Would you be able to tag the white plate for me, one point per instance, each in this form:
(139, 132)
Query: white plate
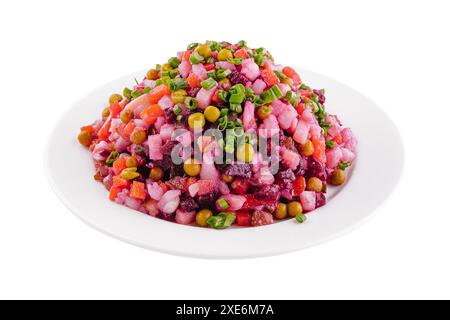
(373, 177)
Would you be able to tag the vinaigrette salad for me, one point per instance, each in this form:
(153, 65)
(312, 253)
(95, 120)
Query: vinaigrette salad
(220, 135)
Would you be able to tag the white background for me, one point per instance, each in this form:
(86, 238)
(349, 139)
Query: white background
(395, 52)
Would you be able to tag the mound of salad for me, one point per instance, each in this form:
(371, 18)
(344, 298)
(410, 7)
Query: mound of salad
(220, 135)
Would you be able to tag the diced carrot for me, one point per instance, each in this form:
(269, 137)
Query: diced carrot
(128, 129)
(241, 53)
(269, 76)
(150, 114)
(300, 108)
(119, 165)
(289, 72)
(306, 93)
(216, 98)
(137, 190)
(157, 93)
(186, 56)
(113, 192)
(115, 108)
(163, 186)
(299, 185)
(210, 66)
(319, 149)
(89, 129)
(103, 133)
(338, 138)
(193, 81)
(118, 181)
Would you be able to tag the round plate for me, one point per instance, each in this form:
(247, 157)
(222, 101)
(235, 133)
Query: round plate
(372, 178)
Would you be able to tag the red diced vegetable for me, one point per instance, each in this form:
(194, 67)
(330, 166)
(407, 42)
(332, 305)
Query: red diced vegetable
(137, 190)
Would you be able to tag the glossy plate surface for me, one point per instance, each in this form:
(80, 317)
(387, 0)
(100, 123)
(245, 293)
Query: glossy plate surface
(373, 177)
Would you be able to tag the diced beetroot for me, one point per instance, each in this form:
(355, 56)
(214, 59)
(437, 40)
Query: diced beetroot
(226, 65)
(200, 71)
(253, 203)
(334, 156)
(166, 131)
(248, 116)
(240, 185)
(204, 97)
(250, 69)
(165, 102)
(154, 147)
(185, 68)
(261, 218)
(202, 187)
(301, 132)
(321, 199)
(151, 206)
(258, 86)
(347, 155)
(286, 117)
(235, 201)
(169, 201)
(154, 190)
(278, 107)
(184, 217)
(308, 200)
(291, 159)
(209, 170)
(243, 219)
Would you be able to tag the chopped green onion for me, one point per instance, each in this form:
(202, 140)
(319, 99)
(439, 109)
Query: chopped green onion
(236, 108)
(259, 59)
(242, 44)
(159, 82)
(237, 98)
(215, 46)
(212, 74)
(235, 61)
(196, 58)
(222, 126)
(222, 203)
(173, 73)
(127, 93)
(222, 220)
(210, 60)
(314, 97)
(135, 94)
(113, 156)
(259, 50)
(192, 45)
(330, 144)
(238, 122)
(277, 92)
(231, 125)
(191, 103)
(223, 96)
(177, 83)
(344, 165)
(146, 90)
(280, 75)
(208, 83)
(174, 62)
(158, 67)
(224, 112)
(179, 117)
(250, 95)
(304, 87)
(300, 218)
(177, 110)
(222, 74)
(237, 88)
